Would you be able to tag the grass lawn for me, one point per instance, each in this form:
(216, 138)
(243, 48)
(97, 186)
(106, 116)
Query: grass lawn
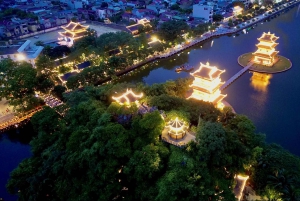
(281, 65)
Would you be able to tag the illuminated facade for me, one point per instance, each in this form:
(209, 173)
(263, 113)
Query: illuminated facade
(128, 97)
(177, 129)
(73, 31)
(207, 83)
(266, 53)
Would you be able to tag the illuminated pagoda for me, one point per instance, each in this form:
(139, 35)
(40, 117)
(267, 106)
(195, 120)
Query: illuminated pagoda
(128, 97)
(266, 53)
(73, 31)
(177, 129)
(207, 83)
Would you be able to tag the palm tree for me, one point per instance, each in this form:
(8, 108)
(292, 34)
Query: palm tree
(291, 194)
(281, 180)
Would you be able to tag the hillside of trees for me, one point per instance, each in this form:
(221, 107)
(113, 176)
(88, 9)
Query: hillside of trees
(100, 150)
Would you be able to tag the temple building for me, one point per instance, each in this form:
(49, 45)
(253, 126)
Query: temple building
(73, 31)
(207, 83)
(177, 129)
(128, 97)
(266, 53)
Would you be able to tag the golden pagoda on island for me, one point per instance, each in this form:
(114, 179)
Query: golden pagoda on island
(73, 31)
(266, 53)
(207, 83)
(128, 97)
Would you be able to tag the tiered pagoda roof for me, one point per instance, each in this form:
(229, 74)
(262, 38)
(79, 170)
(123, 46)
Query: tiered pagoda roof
(266, 53)
(207, 72)
(74, 30)
(207, 84)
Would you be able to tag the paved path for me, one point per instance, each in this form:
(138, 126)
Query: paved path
(237, 75)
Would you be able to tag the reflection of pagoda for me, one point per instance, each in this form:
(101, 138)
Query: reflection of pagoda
(260, 81)
(128, 97)
(72, 32)
(266, 54)
(207, 83)
(177, 129)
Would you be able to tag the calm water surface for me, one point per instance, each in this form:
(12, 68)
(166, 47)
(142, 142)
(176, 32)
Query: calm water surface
(272, 102)
(14, 147)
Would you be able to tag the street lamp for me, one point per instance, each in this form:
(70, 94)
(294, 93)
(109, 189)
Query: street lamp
(21, 57)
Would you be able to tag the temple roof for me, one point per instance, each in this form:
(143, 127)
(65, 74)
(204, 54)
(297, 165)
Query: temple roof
(269, 47)
(265, 55)
(207, 72)
(219, 98)
(268, 37)
(199, 88)
(73, 26)
(128, 97)
(72, 34)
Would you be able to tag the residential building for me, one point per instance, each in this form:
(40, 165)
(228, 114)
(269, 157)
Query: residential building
(203, 11)
(21, 50)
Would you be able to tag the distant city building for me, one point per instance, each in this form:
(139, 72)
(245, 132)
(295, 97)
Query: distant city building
(134, 29)
(20, 50)
(73, 31)
(203, 11)
(266, 53)
(206, 84)
(237, 10)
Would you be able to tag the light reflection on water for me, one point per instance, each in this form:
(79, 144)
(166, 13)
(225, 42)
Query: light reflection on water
(260, 81)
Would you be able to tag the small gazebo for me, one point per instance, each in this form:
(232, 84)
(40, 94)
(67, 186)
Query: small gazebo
(177, 128)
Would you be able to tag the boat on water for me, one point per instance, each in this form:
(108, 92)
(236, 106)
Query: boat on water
(184, 68)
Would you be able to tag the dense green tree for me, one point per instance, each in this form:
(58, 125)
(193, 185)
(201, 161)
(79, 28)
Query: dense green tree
(58, 91)
(217, 17)
(172, 30)
(93, 154)
(18, 81)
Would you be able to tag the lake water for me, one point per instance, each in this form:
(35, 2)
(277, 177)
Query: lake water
(14, 147)
(270, 101)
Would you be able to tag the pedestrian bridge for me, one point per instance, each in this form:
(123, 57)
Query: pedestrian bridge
(236, 76)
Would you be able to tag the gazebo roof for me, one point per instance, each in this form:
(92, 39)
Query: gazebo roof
(177, 127)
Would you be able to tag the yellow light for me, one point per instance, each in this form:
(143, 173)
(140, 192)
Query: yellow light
(21, 57)
(260, 81)
(154, 39)
(206, 85)
(125, 96)
(242, 179)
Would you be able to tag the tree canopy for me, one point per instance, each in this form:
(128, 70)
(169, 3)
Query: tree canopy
(100, 150)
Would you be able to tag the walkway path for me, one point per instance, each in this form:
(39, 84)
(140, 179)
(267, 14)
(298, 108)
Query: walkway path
(18, 119)
(238, 74)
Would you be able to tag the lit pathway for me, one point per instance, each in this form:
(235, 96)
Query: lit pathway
(237, 75)
(18, 119)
